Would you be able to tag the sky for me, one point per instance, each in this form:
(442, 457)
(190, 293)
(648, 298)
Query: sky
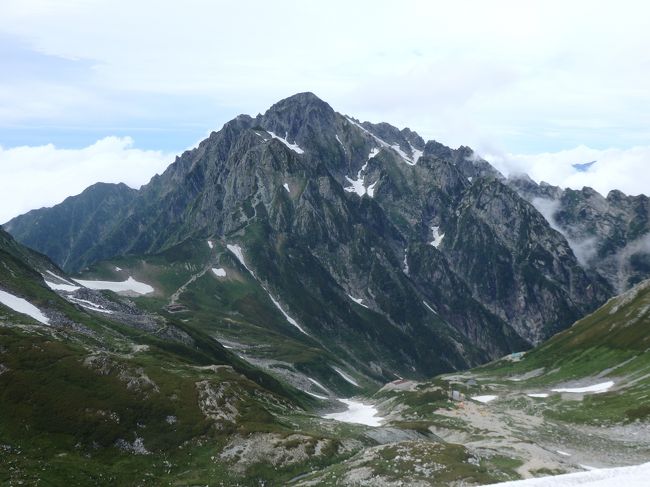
(112, 90)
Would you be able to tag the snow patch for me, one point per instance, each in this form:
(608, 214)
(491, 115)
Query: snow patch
(405, 268)
(317, 384)
(346, 377)
(563, 453)
(358, 185)
(416, 154)
(286, 186)
(125, 286)
(358, 301)
(403, 154)
(437, 237)
(220, 272)
(484, 399)
(339, 141)
(59, 277)
(236, 250)
(286, 316)
(294, 147)
(370, 190)
(118, 269)
(596, 388)
(89, 305)
(210, 244)
(538, 394)
(634, 476)
(357, 412)
(430, 308)
(23, 306)
(411, 161)
(317, 396)
(61, 287)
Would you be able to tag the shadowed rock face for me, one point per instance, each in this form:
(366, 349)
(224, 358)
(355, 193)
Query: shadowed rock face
(498, 278)
(609, 235)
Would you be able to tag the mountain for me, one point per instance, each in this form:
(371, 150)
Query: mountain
(78, 222)
(609, 235)
(397, 256)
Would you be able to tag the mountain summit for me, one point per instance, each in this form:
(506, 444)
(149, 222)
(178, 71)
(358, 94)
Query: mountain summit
(396, 255)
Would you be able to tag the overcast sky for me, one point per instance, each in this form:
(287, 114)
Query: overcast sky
(111, 90)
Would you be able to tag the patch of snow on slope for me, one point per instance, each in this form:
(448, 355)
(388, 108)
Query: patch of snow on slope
(405, 268)
(124, 286)
(437, 237)
(23, 306)
(596, 388)
(358, 185)
(484, 399)
(538, 394)
(317, 396)
(59, 277)
(210, 244)
(61, 287)
(430, 308)
(370, 190)
(402, 154)
(346, 377)
(634, 476)
(89, 305)
(382, 142)
(220, 272)
(563, 453)
(236, 250)
(286, 315)
(357, 300)
(286, 186)
(416, 154)
(357, 412)
(294, 147)
(339, 141)
(318, 384)
(395, 147)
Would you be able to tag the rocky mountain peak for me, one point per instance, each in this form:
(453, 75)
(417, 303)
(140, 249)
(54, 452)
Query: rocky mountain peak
(298, 118)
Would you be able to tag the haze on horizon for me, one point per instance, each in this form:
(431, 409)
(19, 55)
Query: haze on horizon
(98, 90)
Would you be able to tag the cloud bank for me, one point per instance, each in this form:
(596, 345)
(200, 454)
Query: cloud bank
(33, 177)
(623, 169)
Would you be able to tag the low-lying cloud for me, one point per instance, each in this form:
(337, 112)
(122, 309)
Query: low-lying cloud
(584, 249)
(37, 176)
(622, 169)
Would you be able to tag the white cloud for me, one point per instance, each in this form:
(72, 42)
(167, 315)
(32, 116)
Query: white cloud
(33, 177)
(550, 73)
(623, 169)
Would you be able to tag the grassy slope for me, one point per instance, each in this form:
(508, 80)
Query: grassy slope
(610, 344)
(70, 394)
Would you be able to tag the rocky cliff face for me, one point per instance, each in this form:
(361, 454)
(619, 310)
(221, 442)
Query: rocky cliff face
(412, 252)
(609, 235)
